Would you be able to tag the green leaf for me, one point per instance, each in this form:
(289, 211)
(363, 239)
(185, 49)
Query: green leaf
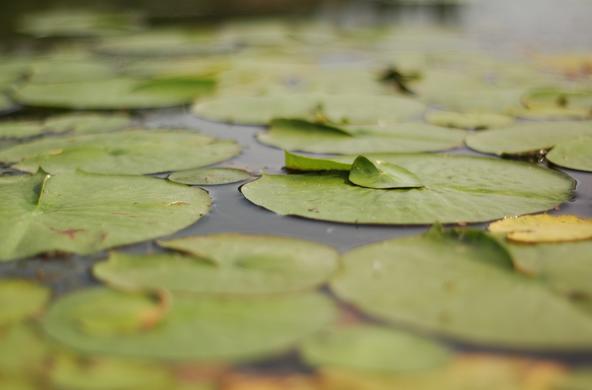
(527, 137)
(298, 162)
(196, 328)
(381, 175)
(130, 152)
(373, 349)
(84, 213)
(452, 286)
(20, 299)
(559, 98)
(227, 264)
(210, 176)
(573, 154)
(405, 137)
(455, 190)
(471, 120)
(22, 351)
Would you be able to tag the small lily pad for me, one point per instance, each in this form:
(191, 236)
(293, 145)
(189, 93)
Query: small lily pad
(573, 154)
(468, 120)
(20, 299)
(209, 176)
(544, 228)
(381, 175)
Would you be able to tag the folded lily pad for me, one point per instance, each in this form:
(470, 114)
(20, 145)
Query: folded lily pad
(338, 109)
(544, 228)
(373, 349)
(468, 120)
(378, 174)
(209, 176)
(455, 189)
(131, 152)
(315, 138)
(461, 285)
(84, 213)
(20, 299)
(198, 328)
(226, 264)
(527, 138)
(573, 154)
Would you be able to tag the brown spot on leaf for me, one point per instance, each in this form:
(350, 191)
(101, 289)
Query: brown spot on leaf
(70, 233)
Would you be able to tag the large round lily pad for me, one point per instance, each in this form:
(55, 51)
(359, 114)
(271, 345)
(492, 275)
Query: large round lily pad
(197, 328)
(127, 152)
(315, 138)
(574, 154)
(462, 285)
(224, 264)
(84, 213)
(455, 188)
(20, 299)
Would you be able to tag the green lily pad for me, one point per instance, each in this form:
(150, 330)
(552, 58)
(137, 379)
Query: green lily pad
(298, 162)
(210, 176)
(198, 328)
(130, 152)
(475, 120)
(57, 70)
(20, 129)
(558, 98)
(113, 94)
(6, 104)
(578, 379)
(381, 175)
(226, 264)
(22, 351)
(527, 137)
(316, 138)
(20, 299)
(373, 349)
(454, 190)
(461, 285)
(338, 109)
(574, 154)
(84, 213)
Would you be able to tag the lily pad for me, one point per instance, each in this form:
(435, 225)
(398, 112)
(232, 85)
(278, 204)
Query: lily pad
(544, 228)
(84, 213)
(573, 154)
(338, 109)
(209, 176)
(22, 351)
(6, 105)
(226, 264)
(298, 162)
(454, 190)
(198, 328)
(132, 152)
(381, 175)
(468, 120)
(527, 137)
(373, 349)
(316, 138)
(20, 299)
(56, 70)
(461, 285)
(558, 98)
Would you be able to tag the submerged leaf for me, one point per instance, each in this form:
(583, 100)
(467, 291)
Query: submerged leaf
(209, 176)
(381, 175)
(574, 154)
(544, 228)
(20, 299)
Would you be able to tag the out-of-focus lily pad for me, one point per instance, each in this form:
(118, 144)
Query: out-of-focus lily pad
(455, 189)
(22, 351)
(20, 129)
(552, 113)
(469, 292)
(378, 174)
(573, 154)
(226, 264)
(20, 299)
(84, 213)
(337, 109)
(527, 138)
(198, 328)
(544, 228)
(555, 97)
(57, 70)
(6, 105)
(210, 176)
(373, 349)
(579, 379)
(477, 121)
(132, 152)
(317, 138)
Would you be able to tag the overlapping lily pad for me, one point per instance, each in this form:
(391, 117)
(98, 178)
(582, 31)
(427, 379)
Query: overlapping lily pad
(461, 285)
(573, 154)
(127, 152)
(475, 120)
(454, 190)
(20, 299)
(209, 176)
(197, 328)
(544, 228)
(226, 264)
(84, 213)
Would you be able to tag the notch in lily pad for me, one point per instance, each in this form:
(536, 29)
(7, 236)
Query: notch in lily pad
(378, 174)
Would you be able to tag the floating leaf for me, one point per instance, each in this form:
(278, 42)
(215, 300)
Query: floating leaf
(209, 176)
(84, 213)
(381, 175)
(454, 190)
(544, 228)
(198, 328)
(468, 120)
(131, 152)
(461, 286)
(527, 137)
(20, 299)
(20, 129)
(552, 113)
(373, 349)
(57, 70)
(224, 264)
(573, 154)
(298, 162)
(280, 381)
(6, 105)
(556, 97)
(405, 137)
(22, 351)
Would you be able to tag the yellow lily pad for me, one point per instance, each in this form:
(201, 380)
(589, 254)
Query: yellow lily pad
(544, 228)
